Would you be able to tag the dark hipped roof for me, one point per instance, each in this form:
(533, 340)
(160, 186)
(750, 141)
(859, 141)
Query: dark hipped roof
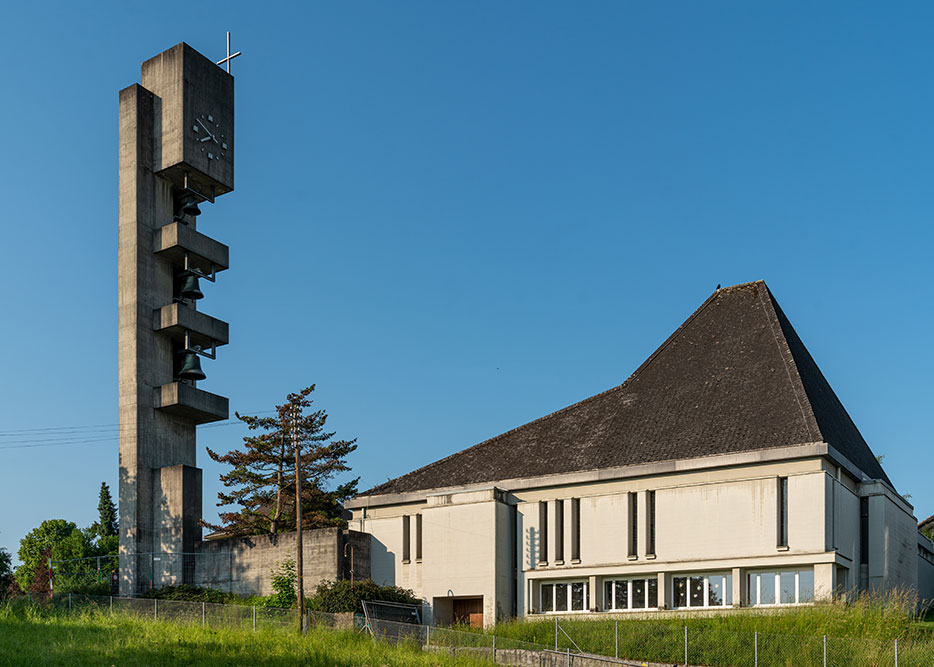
(734, 377)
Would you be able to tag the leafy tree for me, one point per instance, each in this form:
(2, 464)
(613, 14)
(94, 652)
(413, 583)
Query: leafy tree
(106, 525)
(262, 479)
(57, 538)
(284, 578)
(6, 571)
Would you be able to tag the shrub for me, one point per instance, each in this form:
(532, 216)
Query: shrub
(189, 593)
(339, 596)
(284, 579)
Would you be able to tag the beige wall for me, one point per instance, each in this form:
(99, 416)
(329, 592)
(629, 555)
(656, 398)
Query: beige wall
(717, 520)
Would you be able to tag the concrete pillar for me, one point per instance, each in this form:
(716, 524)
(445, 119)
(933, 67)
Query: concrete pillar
(825, 581)
(664, 591)
(739, 586)
(596, 594)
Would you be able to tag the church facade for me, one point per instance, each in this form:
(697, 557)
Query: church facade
(723, 473)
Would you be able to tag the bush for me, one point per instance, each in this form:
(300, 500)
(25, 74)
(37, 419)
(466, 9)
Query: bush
(189, 593)
(339, 596)
(284, 579)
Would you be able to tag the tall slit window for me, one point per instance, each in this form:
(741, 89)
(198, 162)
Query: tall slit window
(650, 510)
(559, 530)
(543, 532)
(783, 511)
(406, 542)
(418, 537)
(633, 524)
(575, 529)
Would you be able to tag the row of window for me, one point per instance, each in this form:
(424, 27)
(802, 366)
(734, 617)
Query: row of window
(784, 587)
(559, 530)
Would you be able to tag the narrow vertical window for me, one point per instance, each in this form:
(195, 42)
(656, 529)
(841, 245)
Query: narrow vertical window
(633, 524)
(406, 546)
(783, 511)
(559, 531)
(863, 531)
(575, 528)
(543, 532)
(650, 511)
(418, 537)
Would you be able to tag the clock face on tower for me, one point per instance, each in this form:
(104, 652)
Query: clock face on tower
(213, 139)
(193, 137)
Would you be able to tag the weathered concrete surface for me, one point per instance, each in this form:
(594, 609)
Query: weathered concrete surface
(253, 559)
(527, 658)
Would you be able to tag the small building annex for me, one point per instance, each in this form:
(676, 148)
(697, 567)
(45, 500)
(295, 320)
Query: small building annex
(724, 472)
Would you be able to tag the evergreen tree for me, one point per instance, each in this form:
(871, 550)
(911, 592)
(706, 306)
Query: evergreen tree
(262, 479)
(106, 525)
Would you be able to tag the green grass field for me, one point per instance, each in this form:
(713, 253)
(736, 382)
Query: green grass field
(860, 633)
(30, 636)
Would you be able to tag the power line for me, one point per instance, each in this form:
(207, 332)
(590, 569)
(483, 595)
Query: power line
(66, 438)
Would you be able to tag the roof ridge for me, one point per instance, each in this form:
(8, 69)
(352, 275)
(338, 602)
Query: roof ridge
(784, 351)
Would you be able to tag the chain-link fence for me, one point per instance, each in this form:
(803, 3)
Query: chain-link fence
(623, 643)
(101, 574)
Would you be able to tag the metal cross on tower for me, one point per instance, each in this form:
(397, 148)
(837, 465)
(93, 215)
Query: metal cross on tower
(230, 56)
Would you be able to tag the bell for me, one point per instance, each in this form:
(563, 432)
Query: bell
(187, 204)
(191, 367)
(190, 288)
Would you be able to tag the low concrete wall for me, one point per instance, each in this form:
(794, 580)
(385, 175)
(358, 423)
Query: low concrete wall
(247, 570)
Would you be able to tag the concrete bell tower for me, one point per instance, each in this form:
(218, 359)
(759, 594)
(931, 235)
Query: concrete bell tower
(176, 155)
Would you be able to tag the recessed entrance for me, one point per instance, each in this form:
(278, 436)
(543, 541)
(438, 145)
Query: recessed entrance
(469, 611)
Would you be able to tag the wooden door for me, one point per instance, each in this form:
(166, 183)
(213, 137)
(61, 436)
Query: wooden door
(469, 611)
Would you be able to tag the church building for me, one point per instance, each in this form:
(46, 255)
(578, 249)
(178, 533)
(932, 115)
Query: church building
(723, 473)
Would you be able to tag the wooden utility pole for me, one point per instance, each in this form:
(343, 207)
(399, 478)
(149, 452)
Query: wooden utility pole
(299, 564)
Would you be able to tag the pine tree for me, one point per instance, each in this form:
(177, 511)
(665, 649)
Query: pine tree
(262, 479)
(106, 525)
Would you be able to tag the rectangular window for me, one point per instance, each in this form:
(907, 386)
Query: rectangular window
(634, 519)
(559, 531)
(561, 597)
(680, 591)
(783, 511)
(543, 532)
(406, 547)
(548, 597)
(702, 590)
(418, 537)
(626, 594)
(638, 593)
(864, 531)
(575, 528)
(781, 588)
(650, 510)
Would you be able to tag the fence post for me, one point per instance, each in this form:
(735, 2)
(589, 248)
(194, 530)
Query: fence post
(494, 650)
(756, 640)
(569, 656)
(896, 653)
(427, 635)
(617, 640)
(685, 645)
(111, 604)
(825, 650)
(254, 618)
(69, 602)
(155, 608)
(202, 614)
(556, 633)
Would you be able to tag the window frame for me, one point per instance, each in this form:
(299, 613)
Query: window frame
(629, 594)
(569, 584)
(705, 594)
(777, 592)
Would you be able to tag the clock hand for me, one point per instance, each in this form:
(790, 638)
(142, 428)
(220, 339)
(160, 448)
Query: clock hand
(208, 139)
(206, 129)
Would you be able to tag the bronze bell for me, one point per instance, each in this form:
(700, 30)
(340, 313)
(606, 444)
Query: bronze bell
(191, 367)
(190, 289)
(187, 204)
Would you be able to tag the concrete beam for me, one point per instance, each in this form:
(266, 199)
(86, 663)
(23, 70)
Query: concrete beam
(189, 403)
(176, 318)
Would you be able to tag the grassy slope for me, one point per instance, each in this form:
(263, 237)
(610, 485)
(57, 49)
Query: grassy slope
(37, 638)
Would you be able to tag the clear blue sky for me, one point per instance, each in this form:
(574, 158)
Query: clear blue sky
(456, 217)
